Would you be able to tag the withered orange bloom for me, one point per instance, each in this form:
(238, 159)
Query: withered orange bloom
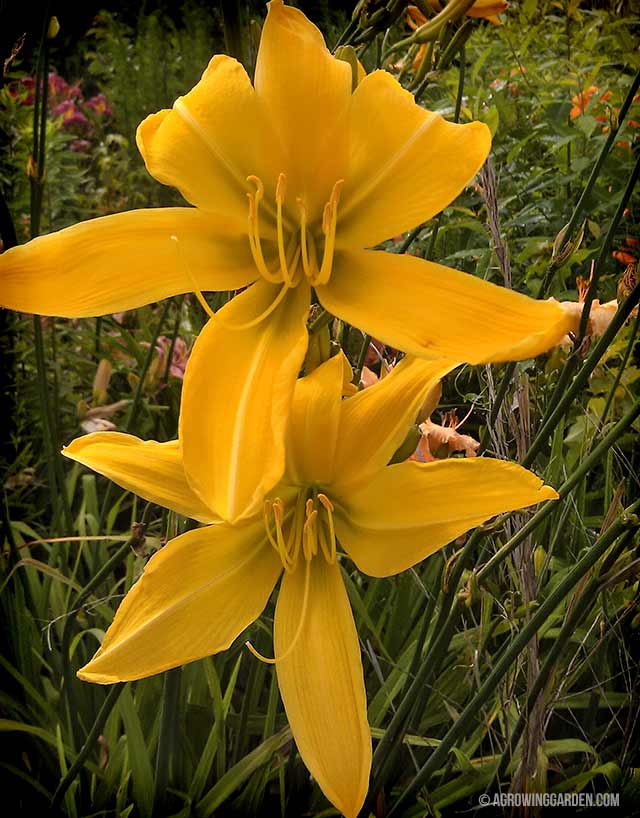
(335, 491)
(292, 179)
(486, 9)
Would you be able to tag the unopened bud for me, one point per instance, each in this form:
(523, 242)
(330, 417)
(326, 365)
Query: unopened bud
(54, 28)
(101, 382)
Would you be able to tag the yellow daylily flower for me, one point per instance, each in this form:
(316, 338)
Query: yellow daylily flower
(205, 587)
(292, 179)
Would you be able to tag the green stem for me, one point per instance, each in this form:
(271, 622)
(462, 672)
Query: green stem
(137, 400)
(580, 380)
(576, 477)
(619, 373)
(94, 582)
(604, 251)
(500, 669)
(587, 600)
(167, 740)
(577, 211)
(389, 744)
(88, 746)
(502, 391)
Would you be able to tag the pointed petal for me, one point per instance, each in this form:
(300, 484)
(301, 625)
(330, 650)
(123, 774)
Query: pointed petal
(375, 422)
(433, 311)
(321, 683)
(315, 415)
(488, 9)
(405, 164)
(196, 595)
(123, 261)
(237, 396)
(410, 510)
(211, 140)
(306, 92)
(151, 470)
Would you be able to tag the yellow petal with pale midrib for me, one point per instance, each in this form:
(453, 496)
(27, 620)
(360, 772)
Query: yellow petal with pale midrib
(433, 311)
(149, 469)
(124, 261)
(410, 510)
(196, 595)
(322, 685)
(237, 395)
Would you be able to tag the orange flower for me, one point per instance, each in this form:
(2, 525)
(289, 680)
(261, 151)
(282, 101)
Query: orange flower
(623, 257)
(486, 9)
(439, 441)
(600, 315)
(582, 100)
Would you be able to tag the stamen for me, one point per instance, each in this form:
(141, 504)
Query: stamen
(255, 242)
(329, 221)
(267, 508)
(309, 531)
(295, 534)
(303, 614)
(303, 238)
(192, 279)
(280, 193)
(331, 553)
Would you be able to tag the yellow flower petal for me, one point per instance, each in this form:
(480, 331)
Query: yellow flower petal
(315, 414)
(211, 140)
(321, 684)
(194, 598)
(375, 422)
(123, 261)
(306, 92)
(236, 398)
(151, 470)
(410, 510)
(406, 164)
(434, 311)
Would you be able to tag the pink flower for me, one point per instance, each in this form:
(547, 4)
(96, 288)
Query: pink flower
(99, 105)
(179, 357)
(80, 146)
(71, 116)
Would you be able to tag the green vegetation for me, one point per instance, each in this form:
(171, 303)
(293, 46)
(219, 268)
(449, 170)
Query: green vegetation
(507, 661)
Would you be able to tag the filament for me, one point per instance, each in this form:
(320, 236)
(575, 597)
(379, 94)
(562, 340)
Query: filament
(192, 279)
(303, 614)
(280, 193)
(255, 242)
(303, 239)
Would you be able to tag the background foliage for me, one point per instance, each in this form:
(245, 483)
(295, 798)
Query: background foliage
(507, 661)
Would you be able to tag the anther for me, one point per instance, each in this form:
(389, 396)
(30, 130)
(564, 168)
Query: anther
(326, 502)
(330, 548)
(329, 221)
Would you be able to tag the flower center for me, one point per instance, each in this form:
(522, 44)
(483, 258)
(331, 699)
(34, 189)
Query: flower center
(303, 531)
(297, 254)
